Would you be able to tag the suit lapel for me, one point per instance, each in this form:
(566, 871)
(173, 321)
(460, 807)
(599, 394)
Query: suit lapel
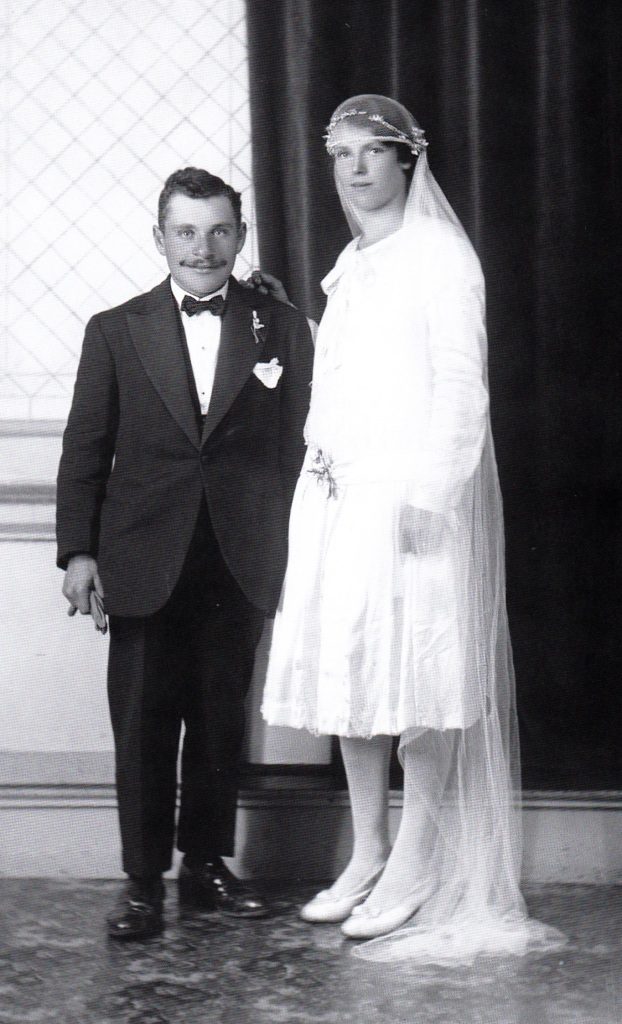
(239, 351)
(155, 334)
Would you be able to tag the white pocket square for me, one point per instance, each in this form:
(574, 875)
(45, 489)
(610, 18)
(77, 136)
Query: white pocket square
(268, 373)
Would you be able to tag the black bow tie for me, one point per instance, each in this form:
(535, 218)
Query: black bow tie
(215, 305)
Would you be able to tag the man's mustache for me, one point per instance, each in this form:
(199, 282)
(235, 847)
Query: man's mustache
(203, 264)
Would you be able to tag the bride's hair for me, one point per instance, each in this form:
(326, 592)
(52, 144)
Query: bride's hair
(405, 156)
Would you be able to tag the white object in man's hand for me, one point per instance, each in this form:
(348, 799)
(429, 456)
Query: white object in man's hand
(83, 589)
(98, 614)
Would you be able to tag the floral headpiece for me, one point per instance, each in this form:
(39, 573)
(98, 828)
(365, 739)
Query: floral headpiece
(415, 139)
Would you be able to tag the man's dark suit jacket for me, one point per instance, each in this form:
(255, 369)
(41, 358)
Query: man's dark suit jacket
(136, 461)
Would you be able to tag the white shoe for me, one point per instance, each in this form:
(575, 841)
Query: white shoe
(365, 923)
(325, 908)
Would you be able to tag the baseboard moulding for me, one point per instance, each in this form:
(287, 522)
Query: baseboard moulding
(58, 816)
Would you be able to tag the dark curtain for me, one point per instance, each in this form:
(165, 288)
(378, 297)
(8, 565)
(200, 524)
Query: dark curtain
(521, 104)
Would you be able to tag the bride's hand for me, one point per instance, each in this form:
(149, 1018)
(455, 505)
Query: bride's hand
(421, 532)
(267, 284)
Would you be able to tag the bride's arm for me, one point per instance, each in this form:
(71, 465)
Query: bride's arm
(458, 417)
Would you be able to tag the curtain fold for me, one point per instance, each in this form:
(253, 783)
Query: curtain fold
(521, 104)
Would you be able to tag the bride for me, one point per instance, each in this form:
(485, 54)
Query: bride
(392, 619)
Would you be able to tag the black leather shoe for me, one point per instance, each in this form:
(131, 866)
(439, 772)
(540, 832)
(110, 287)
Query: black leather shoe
(212, 887)
(139, 915)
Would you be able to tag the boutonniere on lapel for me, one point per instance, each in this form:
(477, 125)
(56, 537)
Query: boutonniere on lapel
(257, 326)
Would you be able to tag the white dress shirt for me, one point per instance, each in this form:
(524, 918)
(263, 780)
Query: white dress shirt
(203, 339)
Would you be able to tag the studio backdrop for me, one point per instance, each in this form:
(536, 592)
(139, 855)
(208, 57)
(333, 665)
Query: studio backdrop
(520, 101)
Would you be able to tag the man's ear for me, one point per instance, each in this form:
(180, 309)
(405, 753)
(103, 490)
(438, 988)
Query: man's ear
(158, 238)
(241, 237)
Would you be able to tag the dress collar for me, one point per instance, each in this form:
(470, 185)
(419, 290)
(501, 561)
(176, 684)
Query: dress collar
(349, 255)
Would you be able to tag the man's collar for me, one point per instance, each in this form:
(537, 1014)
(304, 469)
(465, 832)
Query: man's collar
(179, 293)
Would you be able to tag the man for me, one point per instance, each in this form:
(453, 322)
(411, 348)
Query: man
(180, 458)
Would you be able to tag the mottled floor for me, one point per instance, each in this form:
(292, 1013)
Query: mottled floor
(56, 965)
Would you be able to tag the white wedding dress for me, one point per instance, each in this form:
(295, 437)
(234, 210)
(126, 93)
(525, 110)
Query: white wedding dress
(392, 618)
(371, 634)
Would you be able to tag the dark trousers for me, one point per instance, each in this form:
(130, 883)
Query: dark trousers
(191, 662)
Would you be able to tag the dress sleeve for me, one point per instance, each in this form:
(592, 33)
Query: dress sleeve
(458, 419)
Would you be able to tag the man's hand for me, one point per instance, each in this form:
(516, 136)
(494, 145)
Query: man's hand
(81, 578)
(267, 284)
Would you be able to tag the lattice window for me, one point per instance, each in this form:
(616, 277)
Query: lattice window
(104, 98)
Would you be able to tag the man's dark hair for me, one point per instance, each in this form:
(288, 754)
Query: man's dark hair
(197, 184)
